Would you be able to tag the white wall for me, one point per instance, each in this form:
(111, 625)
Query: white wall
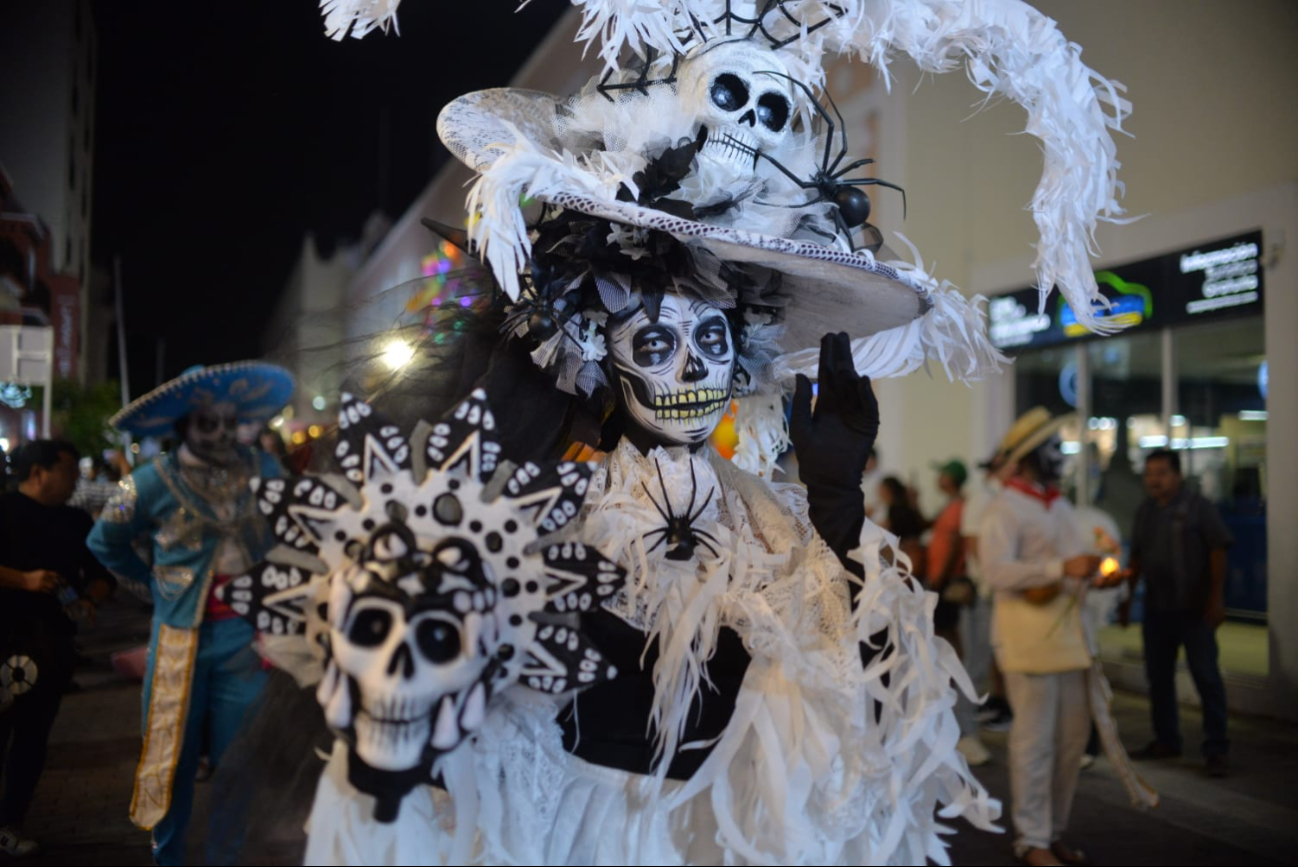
(1213, 85)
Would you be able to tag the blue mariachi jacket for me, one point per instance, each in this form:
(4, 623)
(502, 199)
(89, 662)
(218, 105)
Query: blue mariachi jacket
(185, 531)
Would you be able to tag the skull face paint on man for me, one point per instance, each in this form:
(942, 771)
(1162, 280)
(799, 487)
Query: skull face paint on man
(211, 434)
(675, 375)
(1049, 458)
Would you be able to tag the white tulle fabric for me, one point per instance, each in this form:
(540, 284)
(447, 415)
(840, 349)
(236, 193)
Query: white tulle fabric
(823, 762)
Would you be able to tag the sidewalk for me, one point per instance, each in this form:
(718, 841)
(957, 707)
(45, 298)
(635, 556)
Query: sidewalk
(1251, 817)
(80, 812)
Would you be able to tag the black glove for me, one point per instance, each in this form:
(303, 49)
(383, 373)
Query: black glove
(833, 444)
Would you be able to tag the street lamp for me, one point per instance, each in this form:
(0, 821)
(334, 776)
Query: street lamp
(397, 353)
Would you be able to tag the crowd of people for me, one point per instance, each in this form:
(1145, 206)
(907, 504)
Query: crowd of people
(1024, 580)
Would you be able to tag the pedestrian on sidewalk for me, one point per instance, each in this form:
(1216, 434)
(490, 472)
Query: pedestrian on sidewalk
(48, 581)
(203, 674)
(1178, 545)
(1032, 555)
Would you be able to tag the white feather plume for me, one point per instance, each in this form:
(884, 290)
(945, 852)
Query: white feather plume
(357, 18)
(1007, 48)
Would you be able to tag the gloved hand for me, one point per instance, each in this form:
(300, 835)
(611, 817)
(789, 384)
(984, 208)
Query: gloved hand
(833, 442)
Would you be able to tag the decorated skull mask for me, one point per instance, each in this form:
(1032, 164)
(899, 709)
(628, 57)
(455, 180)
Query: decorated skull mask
(741, 108)
(423, 561)
(675, 374)
(212, 433)
(414, 658)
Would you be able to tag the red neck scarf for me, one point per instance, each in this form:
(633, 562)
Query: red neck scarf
(1046, 495)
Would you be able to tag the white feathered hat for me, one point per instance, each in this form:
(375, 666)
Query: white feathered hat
(755, 198)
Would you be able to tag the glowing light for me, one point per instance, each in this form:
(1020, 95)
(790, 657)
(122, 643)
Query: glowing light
(4, 445)
(1109, 567)
(135, 448)
(277, 422)
(319, 402)
(315, 430)
(1253, 415)
(299, 437)
(1070, 447)
(1160, 442)
(397, 354)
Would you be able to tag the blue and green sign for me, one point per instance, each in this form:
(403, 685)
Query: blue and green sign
(1211, 281)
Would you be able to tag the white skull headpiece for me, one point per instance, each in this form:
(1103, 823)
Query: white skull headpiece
(740, 96)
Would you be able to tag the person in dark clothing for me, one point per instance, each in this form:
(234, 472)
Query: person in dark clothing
(47, 578)
(1178, 545)
(904, 521)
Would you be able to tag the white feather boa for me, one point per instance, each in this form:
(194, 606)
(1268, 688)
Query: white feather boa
(823, 761)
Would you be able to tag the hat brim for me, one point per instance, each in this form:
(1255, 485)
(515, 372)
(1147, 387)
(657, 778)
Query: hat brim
(829, 289)
(258, 391)
(1038, 436)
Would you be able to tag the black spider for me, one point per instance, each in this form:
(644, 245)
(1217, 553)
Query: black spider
(851, 205)
(543, 319)
(680, 532)
(800, 27)
(642, 82)
(538, 307)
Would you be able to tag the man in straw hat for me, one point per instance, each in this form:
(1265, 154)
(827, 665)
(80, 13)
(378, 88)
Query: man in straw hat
(197, 504)
(1032, 555)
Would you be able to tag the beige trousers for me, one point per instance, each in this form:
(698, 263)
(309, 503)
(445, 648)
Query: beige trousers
(1052, 722)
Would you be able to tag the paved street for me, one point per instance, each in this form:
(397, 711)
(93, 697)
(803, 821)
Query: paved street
(1249, 818)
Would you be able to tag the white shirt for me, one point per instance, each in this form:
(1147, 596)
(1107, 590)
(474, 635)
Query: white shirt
(975, 506)
(1023, 544)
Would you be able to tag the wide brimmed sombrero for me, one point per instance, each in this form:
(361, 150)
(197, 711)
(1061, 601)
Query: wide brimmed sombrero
(1028, 432)
(257, 389)
(828, 288)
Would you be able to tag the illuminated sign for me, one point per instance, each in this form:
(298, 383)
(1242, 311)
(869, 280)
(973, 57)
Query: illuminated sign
(1210, 281)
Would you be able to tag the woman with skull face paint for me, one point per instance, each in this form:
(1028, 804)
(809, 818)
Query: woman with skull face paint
(739, 630)
(701, 230)
(197, 504)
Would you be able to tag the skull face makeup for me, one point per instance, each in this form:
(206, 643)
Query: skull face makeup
(739, 108)
(211, 434)
(1049, 458)
(675, 374)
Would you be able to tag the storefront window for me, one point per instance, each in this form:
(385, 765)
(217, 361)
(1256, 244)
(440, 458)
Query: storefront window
(1220, 430)
(1125, 411)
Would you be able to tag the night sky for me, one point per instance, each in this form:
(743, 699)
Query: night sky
(226, 132)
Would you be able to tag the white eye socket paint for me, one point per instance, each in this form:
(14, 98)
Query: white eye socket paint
(674, 375)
